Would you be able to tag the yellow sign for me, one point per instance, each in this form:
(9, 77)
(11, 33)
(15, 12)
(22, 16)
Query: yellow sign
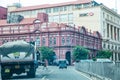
(7, 70)
(16, 55)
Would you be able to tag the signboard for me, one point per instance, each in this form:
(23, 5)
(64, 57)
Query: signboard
(86, 14)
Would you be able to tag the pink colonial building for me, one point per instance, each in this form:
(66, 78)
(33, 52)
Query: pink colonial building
(3, 13)
(61, 37)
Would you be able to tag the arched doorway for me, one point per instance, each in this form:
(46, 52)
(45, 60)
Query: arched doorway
(68, 57)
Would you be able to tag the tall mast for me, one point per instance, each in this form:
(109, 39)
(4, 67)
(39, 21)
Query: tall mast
(116, 5)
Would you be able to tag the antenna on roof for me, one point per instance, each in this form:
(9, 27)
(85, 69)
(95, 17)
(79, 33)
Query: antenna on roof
(19, 3)
(116, 5)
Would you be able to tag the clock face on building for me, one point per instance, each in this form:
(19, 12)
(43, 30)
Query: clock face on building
(37, 21)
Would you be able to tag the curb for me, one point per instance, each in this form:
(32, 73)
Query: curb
(94, 76)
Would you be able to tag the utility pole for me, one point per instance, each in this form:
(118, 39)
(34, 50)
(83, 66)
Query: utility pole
(19, 1)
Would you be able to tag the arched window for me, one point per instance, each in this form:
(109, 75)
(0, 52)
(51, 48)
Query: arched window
(43, 41)
(37, 41)
(83, 30)
(54, 41)
(50, 41)
(63, 40)
(68, 40)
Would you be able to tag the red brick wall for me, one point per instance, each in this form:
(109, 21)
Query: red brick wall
(43, 17)
(89, 41)
(3, 13)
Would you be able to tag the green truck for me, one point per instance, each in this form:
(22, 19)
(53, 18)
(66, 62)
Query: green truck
(18, 57)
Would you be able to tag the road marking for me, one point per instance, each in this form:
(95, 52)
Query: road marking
(83, 74)
(44, 78)
(51, 71)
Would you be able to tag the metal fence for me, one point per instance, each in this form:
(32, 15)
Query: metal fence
(108, 70)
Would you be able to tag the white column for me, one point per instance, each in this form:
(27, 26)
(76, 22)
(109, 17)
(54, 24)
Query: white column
(116, 34)
(105, 30)
(117, 57)
(113, 56)
(119, 34)
(113, 32)
(110, 31)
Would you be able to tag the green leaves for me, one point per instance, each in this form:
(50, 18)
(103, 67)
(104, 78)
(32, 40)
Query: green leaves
(80, 53)
(46, 52)
(104, 54)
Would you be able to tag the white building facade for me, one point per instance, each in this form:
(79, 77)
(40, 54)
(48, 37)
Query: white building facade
(88, 13)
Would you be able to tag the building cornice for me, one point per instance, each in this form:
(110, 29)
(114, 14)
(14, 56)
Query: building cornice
(109, 10)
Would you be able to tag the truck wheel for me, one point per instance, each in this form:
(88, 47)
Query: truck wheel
(3, 77)
(6, 76)
(31, 73)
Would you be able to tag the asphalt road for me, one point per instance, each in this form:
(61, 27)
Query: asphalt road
(54, 73)
(65, 74)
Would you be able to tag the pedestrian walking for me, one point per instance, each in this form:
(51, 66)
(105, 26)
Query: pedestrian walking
(45, 64)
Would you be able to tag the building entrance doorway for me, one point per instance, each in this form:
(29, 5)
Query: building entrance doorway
(68, 57)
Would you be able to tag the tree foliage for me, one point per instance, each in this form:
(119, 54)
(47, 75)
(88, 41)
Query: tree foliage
(46, 53)
(80, 53)
(104, 54)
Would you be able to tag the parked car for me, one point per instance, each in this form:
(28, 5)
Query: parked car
(56, 62)
(62, 64)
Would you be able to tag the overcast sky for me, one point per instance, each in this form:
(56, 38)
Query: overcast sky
(108, 3)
